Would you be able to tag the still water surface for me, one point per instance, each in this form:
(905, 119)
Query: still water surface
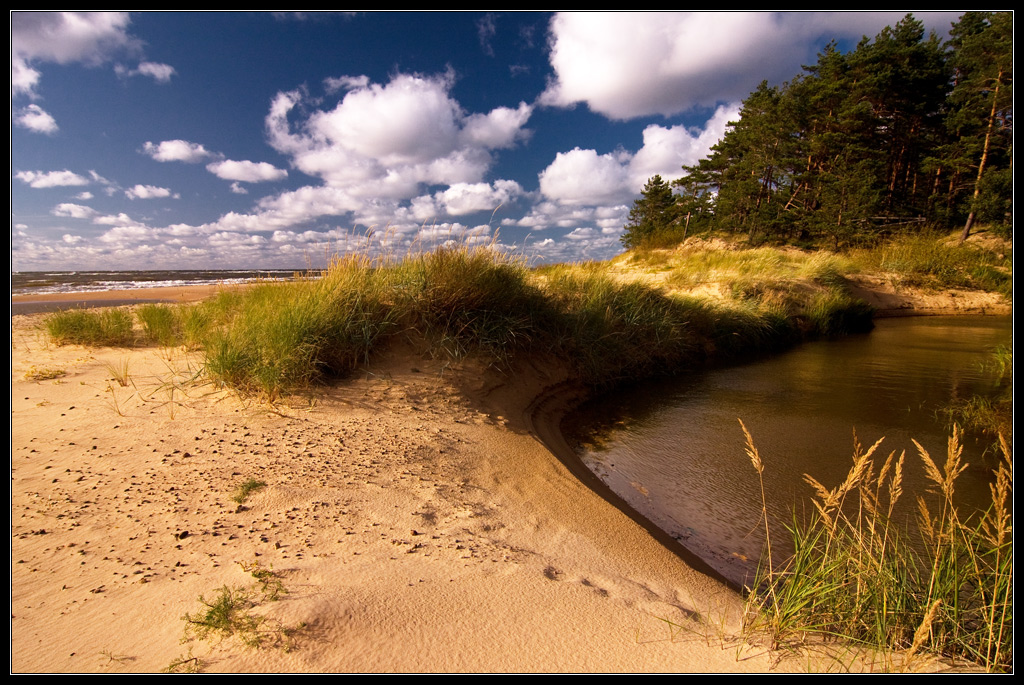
(675, 451)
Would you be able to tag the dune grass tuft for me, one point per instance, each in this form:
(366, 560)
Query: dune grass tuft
(463, 300)
(274, 338)
(611, 331)
(160, 324)
(279, 336)
(833, 312)
(929, 260)
(100, 327)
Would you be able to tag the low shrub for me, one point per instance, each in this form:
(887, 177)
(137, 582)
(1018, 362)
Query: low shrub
(246, 488)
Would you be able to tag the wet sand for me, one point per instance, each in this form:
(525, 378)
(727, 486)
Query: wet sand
(49, 302)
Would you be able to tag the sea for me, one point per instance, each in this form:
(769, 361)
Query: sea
(69, 289)
(50, 282)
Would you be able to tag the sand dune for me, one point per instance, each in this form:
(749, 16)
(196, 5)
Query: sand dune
(418, 516)
(415, 523)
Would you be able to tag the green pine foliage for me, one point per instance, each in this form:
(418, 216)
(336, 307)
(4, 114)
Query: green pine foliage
(653, 213)
(903, 132)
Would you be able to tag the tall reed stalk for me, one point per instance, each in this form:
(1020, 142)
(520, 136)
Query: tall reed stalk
(855, 576)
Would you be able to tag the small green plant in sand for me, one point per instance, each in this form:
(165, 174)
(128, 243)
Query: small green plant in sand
(116, 403)
(119, 372)
(228, 614)
(175, 386)
(245, 489)
(187, 663)
(231, 614)
(856, 576)
(270, 584)
(44, 373)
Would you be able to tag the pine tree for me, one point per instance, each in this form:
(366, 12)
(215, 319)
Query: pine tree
(696, 200)
(904, 78)
(900, 130)
(981, 113)
(652, 212)
(755, 159)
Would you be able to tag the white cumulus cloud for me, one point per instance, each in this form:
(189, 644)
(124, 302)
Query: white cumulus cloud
(333, 85)
(502, 127)
(176, 151)
(161, 73)
(128, 235)
(374, 152)
(244, 170)
(35, 118)
(410, 120)
(389, 140)
(75, 211)
(51, 179)
(120, 219)
(23, 77)
(627, 65)
(584, 177)
(144, 192)
(667, 149)
(63, 37)
(467, 198)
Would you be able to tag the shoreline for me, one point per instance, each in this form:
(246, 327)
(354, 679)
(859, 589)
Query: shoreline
(423, 517)
(48, 302)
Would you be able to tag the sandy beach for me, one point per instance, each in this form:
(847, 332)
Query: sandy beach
(37, 303)
(419, 516)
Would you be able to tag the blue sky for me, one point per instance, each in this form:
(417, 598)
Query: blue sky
(272, 140)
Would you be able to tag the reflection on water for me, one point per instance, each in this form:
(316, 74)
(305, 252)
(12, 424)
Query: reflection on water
(675, 451)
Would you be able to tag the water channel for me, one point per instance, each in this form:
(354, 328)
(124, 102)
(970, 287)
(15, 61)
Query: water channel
(674, 449)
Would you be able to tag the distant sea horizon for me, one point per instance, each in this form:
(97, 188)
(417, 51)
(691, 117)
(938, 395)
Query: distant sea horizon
(71, 282)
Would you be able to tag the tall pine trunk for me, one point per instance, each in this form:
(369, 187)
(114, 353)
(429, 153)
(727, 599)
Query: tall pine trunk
(981, 165)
